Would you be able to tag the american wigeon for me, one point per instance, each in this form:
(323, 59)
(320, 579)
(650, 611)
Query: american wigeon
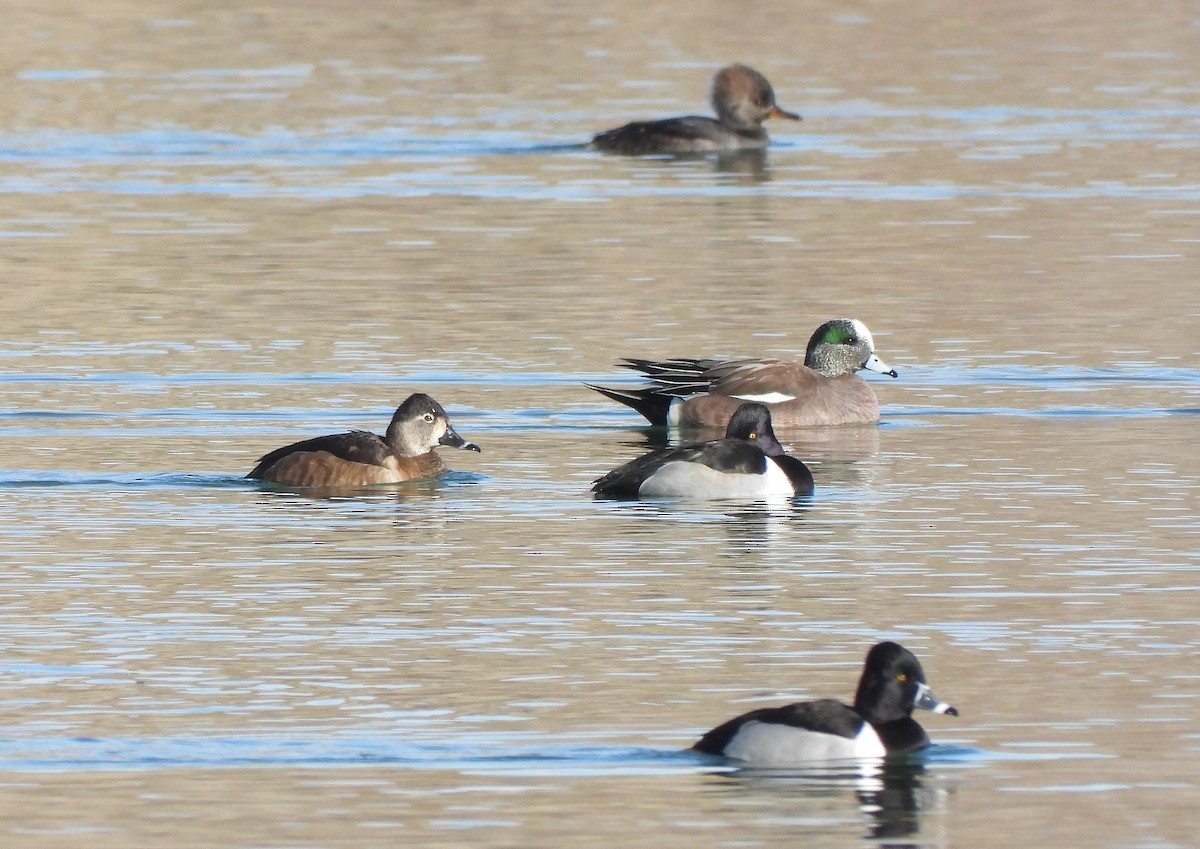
(742, 99)
(879, 724)
(748, 463)
(361, 458)
(823, 391)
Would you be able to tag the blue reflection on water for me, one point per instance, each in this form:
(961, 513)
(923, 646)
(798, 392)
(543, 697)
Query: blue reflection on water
(473, 753)
(413, 163)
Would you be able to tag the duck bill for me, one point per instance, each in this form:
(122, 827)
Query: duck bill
(776, 112)
(926, 700)
(451, 438)
(875, 364)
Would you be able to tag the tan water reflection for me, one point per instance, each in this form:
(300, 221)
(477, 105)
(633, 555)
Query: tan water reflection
(226, 227)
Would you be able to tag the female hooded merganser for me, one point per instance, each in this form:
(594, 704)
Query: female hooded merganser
(742, 99)
(361, 458)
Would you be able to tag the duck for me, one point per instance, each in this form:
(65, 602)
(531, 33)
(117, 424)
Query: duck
(878, 724)
(361, 458)
(824, 390)
(748, 462)
(742, 99)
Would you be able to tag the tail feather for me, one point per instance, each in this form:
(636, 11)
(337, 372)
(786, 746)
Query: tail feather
(679, 377)
(652, 405)
(682, 372)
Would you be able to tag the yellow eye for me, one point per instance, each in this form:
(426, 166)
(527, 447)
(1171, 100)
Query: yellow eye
(900, 676)
(753, 435)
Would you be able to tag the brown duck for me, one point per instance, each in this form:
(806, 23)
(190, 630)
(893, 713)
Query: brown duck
(361, 458)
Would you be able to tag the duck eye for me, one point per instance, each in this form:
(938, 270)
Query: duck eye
(900, 676)
(753, 435)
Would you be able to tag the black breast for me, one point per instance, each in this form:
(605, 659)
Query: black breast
(902, 735)
(797, 473)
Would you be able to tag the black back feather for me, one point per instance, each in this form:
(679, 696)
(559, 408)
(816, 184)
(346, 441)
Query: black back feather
(655, 136)
(828, 716)
(357, 446)
(725, 455)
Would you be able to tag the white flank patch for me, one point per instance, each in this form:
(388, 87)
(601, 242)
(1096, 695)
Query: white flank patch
(673, 412)
(769, 744)
(681, 479)
(767, 398)
(776, 481)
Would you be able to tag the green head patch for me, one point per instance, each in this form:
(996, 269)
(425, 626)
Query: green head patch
(839, 334)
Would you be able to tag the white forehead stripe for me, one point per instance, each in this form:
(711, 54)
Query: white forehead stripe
(863, 333)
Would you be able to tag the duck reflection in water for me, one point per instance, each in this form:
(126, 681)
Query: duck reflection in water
(892, 796)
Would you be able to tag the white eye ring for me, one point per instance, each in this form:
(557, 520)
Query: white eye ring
(428, 417)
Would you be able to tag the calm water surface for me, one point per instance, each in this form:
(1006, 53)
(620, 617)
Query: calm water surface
(224, 230)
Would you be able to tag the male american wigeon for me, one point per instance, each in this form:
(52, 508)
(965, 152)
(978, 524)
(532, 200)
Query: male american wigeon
(823, 391)
(361, 458)
(748, 462)
(742, 99)
(879, 724)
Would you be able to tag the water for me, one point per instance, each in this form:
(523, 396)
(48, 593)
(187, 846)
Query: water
(224, 230)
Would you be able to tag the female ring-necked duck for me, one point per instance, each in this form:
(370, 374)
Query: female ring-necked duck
(823, 391)
(748, 463)
(879, 724)
(361, 458)
(742, 99)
